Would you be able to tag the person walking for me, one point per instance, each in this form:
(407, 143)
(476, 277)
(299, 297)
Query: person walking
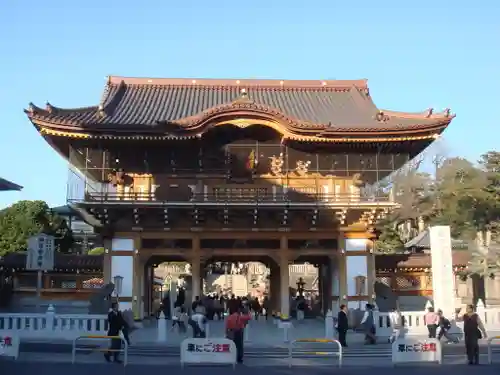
(235, 328)
(198, 322)
(342, 325)
(368, 324)
(116, 323)
(431, 320)
(397, 324)
(444, 327)
(473, 332)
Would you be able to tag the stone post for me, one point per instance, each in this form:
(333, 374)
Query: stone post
(442, 269)
(329, 325)
(162, 328)
(481, 310)
(50, 317)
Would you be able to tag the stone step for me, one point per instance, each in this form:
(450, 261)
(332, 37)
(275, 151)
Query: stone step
(376, 351)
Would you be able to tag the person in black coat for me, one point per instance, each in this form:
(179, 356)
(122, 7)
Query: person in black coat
(473, 331)
(342, 325)
(116, 323)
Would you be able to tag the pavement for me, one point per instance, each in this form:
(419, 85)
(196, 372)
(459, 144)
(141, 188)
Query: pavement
(25, 368)
(266, 348)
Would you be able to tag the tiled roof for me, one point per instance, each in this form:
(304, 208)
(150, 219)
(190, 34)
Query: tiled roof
(187, 106)
(6, 185)
(460, 258)
(61, 261)
(423, 241)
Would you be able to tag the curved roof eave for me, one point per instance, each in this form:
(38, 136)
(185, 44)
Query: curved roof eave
(437, 126)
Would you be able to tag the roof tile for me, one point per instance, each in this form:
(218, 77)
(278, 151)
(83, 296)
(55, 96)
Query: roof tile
(147, 104)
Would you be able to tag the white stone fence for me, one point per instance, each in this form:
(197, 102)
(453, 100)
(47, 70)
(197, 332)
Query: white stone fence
(414, 321)
(415, 325)
(50, 325)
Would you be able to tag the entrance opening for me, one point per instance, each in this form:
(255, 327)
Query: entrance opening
(168, 282)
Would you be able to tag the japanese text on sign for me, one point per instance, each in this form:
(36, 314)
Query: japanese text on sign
(216, 351)
(9, 346)
(408, 350)
(419, 347)
(209, 348)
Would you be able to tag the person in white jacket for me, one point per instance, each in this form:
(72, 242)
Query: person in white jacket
(397, 324)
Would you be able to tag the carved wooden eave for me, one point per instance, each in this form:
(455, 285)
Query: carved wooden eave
(44, 129)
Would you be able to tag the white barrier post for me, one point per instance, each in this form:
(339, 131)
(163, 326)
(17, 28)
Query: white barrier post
(490, 354)
(207, 329)
(123, 349)
(162, 328)
(338, 353)
(246, 333)
(50, 317)
(329, 329)
(285, 334)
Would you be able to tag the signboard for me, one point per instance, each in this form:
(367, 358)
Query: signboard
(40, 253)
(208, 351)
(414, 350)
(9, 346)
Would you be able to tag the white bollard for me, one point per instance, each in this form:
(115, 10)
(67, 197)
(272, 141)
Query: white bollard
(162, 328)
(246, 333)
(207, 330)
(285, 334)
(329, 329)
(50, 317)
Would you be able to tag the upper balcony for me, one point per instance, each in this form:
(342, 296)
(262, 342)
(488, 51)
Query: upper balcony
(166, 190)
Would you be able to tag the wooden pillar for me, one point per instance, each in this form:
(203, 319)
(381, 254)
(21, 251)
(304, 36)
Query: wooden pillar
(195, 268)
(371, 272)
(284, 277)
(46, 281)
(342, 269)
(137, 281)
(107, 262)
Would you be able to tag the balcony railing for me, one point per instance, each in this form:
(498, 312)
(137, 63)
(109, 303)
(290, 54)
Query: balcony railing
(258, 196)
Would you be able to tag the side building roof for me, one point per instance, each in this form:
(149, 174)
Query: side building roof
(185, 108)
(6, 185)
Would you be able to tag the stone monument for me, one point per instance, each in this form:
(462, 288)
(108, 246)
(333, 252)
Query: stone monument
(443, 277)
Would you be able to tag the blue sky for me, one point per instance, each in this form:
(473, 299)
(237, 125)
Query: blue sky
(415, 55)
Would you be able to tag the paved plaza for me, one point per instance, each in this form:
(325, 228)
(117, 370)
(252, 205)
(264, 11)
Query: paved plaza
(22, 368)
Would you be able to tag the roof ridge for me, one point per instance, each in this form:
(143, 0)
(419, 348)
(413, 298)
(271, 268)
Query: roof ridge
(359, 83)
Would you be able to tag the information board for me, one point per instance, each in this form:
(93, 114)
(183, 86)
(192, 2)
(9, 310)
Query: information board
(40, 253)
(9, 346)
(208, 351)
(415, 350)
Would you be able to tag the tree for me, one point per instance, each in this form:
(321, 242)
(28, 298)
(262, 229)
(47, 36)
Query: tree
(459, 193)
(412, 189)
(459, 198)
(96, 251)
(485, 257)
(491, 166)
(389, 241)
(27, 218)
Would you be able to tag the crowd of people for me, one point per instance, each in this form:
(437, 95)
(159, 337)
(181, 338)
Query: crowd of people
(438, 326)
(237, 312)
